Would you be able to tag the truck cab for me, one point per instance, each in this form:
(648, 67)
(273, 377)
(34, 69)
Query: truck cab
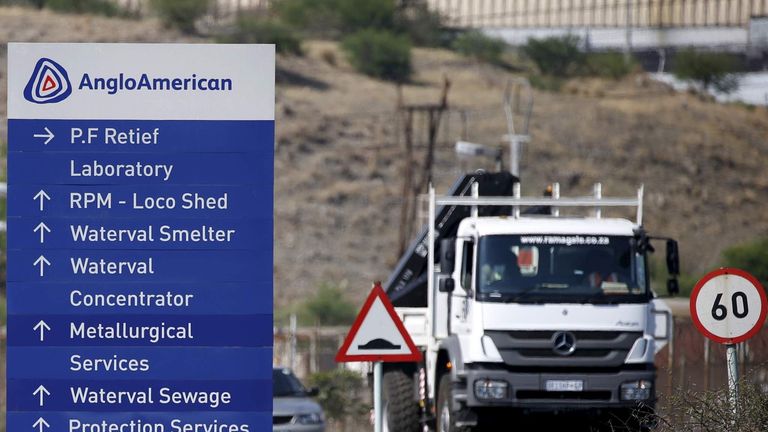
(543, 314)
(530, 312)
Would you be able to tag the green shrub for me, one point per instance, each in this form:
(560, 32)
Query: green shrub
(341, 394)
(477, 45)
(358, 15)
(379, 54)
(546, 82)
(34, 3)
(97, 7)
(612, 65)
(337, 18)
(180, 14)
(751, 257)
(254, 29)
(422, 25)
(712, 71)
(557, 56)
(314, 17)
(327, 307)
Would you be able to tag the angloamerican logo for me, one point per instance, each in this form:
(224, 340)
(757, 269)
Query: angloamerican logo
(49, 83)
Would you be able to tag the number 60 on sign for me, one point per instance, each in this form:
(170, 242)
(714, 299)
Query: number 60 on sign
(728, 305)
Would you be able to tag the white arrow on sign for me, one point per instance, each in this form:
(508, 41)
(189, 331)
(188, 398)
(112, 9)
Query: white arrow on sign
(48, 135)
(42, 227)
(43, 392)
(42, 262)
(42, 327)
(40, 424)
(41, 196)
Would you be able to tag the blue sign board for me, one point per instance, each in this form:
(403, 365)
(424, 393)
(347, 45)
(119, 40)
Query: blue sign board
(140, 231)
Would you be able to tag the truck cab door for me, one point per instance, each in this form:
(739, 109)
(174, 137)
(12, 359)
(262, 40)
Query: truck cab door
(461, 298)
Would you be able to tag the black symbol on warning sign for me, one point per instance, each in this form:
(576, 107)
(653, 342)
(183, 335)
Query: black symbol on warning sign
(379, 344)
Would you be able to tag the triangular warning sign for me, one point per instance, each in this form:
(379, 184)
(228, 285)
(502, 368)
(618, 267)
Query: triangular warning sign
(378, 334)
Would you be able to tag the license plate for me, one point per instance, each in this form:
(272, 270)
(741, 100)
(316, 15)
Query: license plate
(565, 385)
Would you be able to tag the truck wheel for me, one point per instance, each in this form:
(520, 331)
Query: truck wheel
(446, 417)
(401, 413)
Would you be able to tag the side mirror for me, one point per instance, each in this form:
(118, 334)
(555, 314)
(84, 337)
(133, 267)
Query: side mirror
(447, 285)
(447, 255)
(313, 392)
(673, 258)
(673, 288)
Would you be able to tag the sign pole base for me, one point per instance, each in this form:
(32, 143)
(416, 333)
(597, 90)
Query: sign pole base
(733, 377)
(378, 371)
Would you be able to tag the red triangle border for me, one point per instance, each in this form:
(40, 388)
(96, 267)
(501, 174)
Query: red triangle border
(343, 357)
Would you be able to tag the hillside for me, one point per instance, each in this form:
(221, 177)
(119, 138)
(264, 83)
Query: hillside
(339, 160)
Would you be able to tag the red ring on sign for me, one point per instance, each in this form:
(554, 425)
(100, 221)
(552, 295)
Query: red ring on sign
(763, 307)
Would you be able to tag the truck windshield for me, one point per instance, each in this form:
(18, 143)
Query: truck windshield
(560, 268)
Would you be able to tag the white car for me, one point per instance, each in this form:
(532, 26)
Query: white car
(293, 408)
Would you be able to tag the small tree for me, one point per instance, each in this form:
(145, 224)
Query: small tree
(340, 394)
(181, 14)
(380, 54)
(98, 7)
(609, 64)
(556, 56)
(256, 29)
(313, 17)
(423, 25)
(711, 71)
(328, 307)
(366, 14)
(480, 47)
(751, 257)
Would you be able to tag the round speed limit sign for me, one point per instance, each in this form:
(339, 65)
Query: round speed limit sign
(728, 305)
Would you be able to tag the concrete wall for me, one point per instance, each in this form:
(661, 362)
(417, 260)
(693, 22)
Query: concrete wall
(598, 13)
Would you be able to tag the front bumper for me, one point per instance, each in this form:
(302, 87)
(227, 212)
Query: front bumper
(528, 390)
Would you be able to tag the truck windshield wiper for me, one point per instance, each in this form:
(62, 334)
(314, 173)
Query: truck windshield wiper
(519, 296)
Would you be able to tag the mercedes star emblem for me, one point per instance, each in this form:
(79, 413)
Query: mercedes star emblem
(564, 343)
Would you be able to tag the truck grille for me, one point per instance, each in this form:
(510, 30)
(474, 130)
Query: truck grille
(591, 348)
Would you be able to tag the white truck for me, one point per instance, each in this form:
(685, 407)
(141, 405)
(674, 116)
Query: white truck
(520, 309)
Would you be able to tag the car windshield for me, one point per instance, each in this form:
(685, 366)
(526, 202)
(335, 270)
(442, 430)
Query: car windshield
(550, 268)
(284, 383)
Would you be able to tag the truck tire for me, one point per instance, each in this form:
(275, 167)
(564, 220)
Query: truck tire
(401, 412)
(446, 417)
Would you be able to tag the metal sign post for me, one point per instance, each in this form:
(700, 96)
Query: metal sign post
(733, 376)
(729, 306)
(378, 409)
(378, 336)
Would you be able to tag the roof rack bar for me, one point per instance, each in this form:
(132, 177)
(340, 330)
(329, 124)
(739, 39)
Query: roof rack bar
(598, 191)
(538, 201)
(640, 192)
(556, 196)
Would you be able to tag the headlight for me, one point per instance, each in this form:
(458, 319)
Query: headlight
(491, 389)
(309, 419)
(636, 390)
